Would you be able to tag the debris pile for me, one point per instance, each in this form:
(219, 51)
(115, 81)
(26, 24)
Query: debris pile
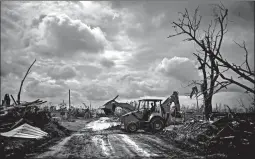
(20, 125)
(231, 136)
(12, 116)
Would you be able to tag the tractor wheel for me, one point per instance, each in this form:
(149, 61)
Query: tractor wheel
(132, 127)
(157, 124)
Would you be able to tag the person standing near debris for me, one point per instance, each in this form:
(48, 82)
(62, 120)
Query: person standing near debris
(7, 100)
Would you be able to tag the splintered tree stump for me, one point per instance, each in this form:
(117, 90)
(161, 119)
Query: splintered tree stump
(21, 84)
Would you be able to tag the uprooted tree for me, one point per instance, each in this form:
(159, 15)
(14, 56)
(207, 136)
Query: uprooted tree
(21, 84)
(212, 64)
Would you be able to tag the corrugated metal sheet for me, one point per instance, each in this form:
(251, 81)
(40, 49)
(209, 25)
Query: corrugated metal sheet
(25, 131)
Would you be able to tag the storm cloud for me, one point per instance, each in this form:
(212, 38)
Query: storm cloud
(101, 49)
(182, 69)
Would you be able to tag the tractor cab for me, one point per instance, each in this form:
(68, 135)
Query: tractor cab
(148, 115)
(148, 107)
(151, 114)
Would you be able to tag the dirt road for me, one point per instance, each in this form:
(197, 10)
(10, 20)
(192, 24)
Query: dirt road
(95, 141)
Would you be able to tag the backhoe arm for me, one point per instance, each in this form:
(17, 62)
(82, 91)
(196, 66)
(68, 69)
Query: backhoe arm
(166, 105)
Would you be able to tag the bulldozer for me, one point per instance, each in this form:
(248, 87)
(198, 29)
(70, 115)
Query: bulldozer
(110, 106)
(151, 115)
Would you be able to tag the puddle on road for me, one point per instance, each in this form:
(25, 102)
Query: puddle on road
(105, 123)
(113, 145)
(101, 124)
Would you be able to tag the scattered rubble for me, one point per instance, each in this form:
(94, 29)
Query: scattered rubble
(18, 120)
(231, 136)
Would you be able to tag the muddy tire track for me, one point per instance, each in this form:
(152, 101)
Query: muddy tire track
(88, 143)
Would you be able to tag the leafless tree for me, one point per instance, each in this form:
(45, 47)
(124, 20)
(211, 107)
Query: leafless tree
(28, 71)
(212, 63)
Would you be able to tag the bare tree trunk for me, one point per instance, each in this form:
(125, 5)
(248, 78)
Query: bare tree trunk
(197, 102)
(18, 99)
(208, 107)
(210, 46)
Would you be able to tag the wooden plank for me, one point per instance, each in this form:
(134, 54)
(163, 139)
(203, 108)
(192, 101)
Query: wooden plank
(13, 100)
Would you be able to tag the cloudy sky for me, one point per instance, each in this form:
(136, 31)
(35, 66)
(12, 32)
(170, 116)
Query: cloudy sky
(101, 49)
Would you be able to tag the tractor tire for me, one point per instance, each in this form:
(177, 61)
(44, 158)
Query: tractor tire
(157, 125)
(132, 127)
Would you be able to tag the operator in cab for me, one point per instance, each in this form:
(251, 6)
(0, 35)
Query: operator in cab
(153, 107)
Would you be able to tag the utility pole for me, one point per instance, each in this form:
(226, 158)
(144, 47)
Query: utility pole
(197, 102)
(69, 100)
